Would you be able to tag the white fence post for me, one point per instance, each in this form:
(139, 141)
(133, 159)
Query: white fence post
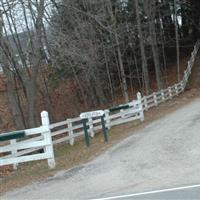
(155, 99)
(176, 89)
(184, 81)
(163, 96)
(70, 127)
(122, 113)
(139, 98)
(189, 65)
(170, 92)
(185, 77)
(14, 151)
(107, 119)
(91, 127)
(182, 86)
(47, 137)
(145, 102)
(192, 57)
(190, 69)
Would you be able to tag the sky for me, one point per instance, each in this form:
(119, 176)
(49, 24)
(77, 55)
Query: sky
(17, 13)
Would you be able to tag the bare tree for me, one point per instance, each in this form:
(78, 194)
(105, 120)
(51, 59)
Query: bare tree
(177, 40)
(150, 9)
(142, 49)
(24, 66)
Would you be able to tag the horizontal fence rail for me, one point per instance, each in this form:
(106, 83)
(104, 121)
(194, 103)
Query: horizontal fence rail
(69, 129)
(44, 137)
(22, 143)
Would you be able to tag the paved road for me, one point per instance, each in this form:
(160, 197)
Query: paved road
(181, 195)
(165, 154)
(186, 192)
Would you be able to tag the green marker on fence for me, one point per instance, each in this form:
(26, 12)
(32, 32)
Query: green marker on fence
(116, 108)
(12, 135)
(85, 127)
(105, 131)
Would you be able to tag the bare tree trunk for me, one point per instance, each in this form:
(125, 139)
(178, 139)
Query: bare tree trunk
(31, 83)
(142, 50)
(153, 40)
(31, 96)
(162, 35)
(138, 73)
(119, 54)
(130, 79)
(123, 76)
(14, 104)
(156, 56)
(117, 63)
(177, 41)
(108, 74)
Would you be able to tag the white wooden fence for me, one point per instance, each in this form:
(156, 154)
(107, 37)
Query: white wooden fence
(19, 151)
(35, 140)
(70, 129)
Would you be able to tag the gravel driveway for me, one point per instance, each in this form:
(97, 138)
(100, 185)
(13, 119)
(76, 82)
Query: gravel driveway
(165, 154)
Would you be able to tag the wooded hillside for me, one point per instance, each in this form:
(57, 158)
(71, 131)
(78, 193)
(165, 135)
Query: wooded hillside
(91, 51)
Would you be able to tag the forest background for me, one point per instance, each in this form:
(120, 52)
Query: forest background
(69, 56)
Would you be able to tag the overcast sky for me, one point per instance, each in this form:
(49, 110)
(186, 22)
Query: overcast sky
(18, 16)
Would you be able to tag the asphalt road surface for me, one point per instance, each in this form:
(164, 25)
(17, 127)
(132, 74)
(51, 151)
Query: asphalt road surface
(165, 154)
(186, 192)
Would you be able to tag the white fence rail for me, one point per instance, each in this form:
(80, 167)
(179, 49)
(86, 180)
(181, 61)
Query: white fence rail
(70, 129)
(37, 141)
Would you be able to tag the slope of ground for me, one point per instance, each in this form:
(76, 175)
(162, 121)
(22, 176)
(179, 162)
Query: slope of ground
(162, 155)
(68, 157)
